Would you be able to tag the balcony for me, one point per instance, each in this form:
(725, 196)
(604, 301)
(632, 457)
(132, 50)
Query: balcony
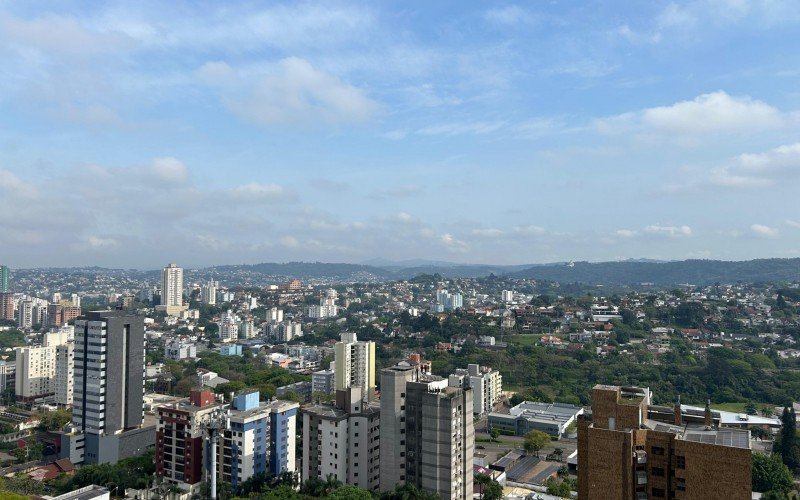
(640, 456)
(641, 477)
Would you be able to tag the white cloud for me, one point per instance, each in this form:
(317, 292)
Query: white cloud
(289, 241)
(703, 14)
(710, 113)
(99, 242)
(298, 93)
(778, 165)
(793, 223)
(764, 231)
(255, 191)
(13, 186)
(713, 113)
(395, 135)
(487, 232)
(169, 169)
(671, 231)
(453, 244)
(530, 229)
(58, 35)
(453, 129)
(509, 16)
(216, 73)
(625, 233)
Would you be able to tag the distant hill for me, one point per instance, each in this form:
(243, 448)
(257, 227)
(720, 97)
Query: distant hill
(310, 270)
(630, 272)
(696, 272)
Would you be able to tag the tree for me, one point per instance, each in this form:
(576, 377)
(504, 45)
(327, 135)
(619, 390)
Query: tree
(770, 473)
(558, 488)
(349, 493)
(535, 441)
(54, 420)
(494, 433)
(408, 491)
(788, 439)
(750, 408)
(558, 452)
(488, 487)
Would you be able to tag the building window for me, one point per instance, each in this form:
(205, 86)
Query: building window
(657, 471)
(658, 493)
(657, 450)
(680, 462)
(680, 484)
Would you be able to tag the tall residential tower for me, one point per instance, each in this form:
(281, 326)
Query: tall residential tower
(172, 290)
(355, 364)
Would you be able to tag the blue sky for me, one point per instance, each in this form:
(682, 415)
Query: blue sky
(138, 133)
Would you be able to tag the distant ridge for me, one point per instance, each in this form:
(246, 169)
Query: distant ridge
(629, 272)
(626, 273)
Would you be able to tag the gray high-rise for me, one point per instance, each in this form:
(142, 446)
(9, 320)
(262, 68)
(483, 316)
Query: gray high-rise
(427, 433)
(109, 386)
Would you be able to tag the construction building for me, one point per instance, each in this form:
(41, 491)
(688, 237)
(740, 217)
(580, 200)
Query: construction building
(631, 449)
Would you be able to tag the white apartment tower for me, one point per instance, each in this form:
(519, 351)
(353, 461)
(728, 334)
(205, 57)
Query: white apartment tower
(355, 364)
(208, 292)
(172, 289)
(228, 327)
(36, 369)
(486, 384)
(275, 315)
(25, 314)
(65, 374)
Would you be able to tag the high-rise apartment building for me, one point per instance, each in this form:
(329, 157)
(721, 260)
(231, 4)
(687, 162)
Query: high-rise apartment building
(65, 374)
(108, 398)
(4, 279)
(45, 374)
(7, 306)
(208, 292)
(228, 326)
(172, 290)
(486, 384)
(355, 364)
(275, 314)
(327, 307)
(25, 313)
(261, 439)
(324, 381)
(36, 370)
(343, 441)
(181, 442)
(631, 449)
(60, 315)
(427, 433)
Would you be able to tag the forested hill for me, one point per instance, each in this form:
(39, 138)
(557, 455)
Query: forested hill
(631, 272)
(696, 272)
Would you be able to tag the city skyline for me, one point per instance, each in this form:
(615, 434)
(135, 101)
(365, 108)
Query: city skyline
(339, 132)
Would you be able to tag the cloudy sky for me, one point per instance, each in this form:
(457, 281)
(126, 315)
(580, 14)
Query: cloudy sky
(138, 133)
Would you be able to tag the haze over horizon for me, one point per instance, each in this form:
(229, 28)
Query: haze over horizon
(524, 133)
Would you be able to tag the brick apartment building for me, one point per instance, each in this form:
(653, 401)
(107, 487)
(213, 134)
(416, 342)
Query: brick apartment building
(630, 449)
